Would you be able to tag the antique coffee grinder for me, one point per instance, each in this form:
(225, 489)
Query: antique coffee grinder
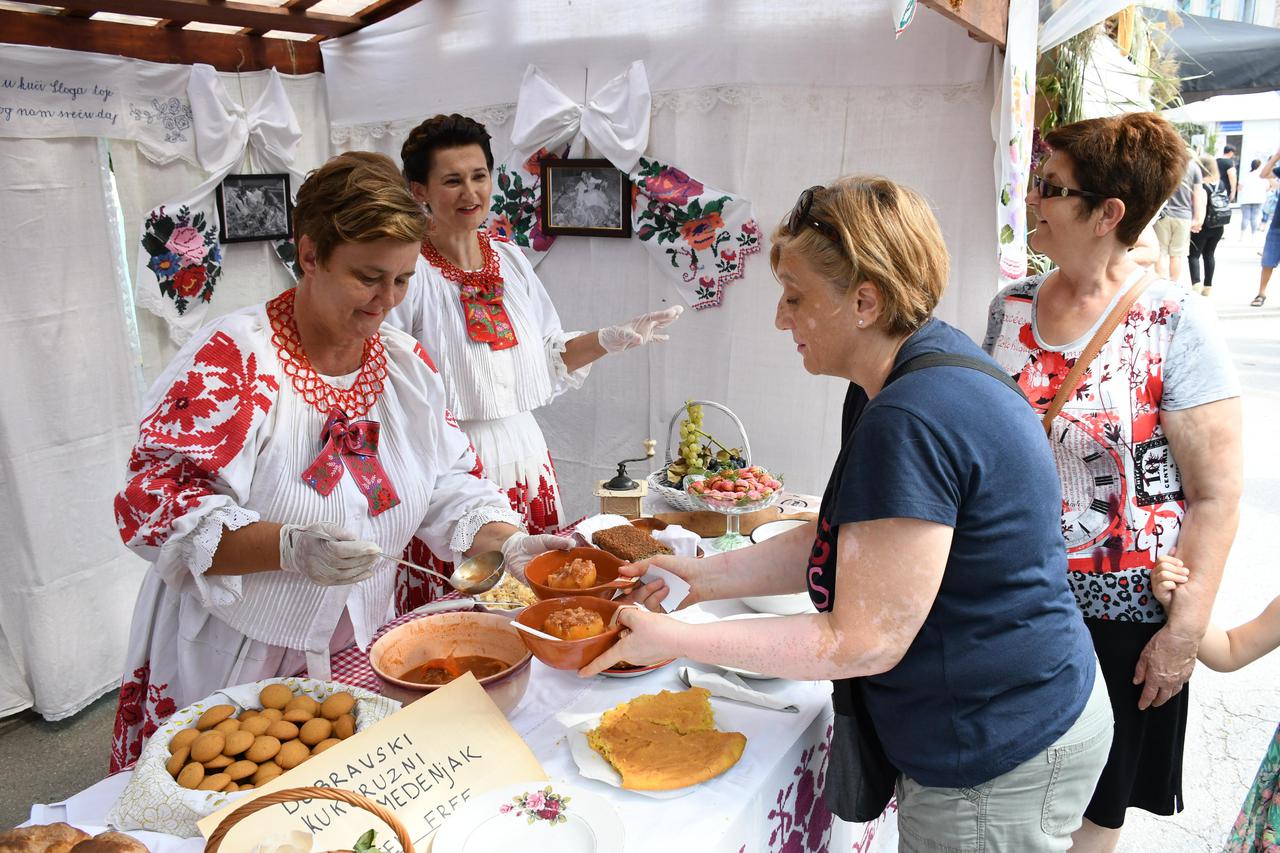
(623, 495)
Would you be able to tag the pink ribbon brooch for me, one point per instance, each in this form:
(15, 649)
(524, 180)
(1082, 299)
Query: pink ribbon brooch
(355, 446)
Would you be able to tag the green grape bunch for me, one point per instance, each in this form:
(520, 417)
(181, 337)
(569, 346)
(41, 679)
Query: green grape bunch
(700, 452)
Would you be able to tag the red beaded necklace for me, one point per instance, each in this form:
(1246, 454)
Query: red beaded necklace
(481, 294)
(320, 395)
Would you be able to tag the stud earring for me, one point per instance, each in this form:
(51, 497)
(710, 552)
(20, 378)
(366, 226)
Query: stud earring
(860, 324)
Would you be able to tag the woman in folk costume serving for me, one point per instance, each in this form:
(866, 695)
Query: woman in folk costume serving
(1146, 438)
(285, 449)
(481, 312)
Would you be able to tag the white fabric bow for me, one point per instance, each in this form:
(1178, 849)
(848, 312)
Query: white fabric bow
(615, 121)
(178, 284)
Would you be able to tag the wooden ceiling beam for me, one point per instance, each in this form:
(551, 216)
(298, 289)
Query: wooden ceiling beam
(157, 44)
(383, 9)
(986, 20)
(235, 14)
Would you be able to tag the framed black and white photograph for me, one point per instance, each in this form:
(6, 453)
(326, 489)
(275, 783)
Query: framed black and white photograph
(254, 207)
(585, 198)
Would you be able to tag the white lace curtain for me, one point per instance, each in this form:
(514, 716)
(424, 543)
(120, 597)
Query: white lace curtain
(769, 143)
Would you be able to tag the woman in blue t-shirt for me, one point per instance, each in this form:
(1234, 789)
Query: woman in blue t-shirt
(937, 565)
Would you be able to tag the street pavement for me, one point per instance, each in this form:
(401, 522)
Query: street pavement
(1233, 715)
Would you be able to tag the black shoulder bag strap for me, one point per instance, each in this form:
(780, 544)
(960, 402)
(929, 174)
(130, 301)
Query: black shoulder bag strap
(944, 359)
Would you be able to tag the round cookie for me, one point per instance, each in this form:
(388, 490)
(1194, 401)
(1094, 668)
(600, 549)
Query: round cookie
(217, 762)
(344, 727)
(282, 730)
(255, 726)
(272, 714)
(303, 703)
(183, 738)
(191, 776)
(238, 742)
(213, 716)
(325, 744)
(337, 705)
(227, 726)
(292, 754)
(216, 782)
(241, 770)
(314, 731)
(298, 716)
(275, 696)
(264, 748)
(266, 772)
(207, 746)
(177, 761)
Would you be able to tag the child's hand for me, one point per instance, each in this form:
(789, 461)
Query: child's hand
(1166, 575)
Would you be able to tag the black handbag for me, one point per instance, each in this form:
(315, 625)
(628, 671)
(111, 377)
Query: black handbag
(860, 776)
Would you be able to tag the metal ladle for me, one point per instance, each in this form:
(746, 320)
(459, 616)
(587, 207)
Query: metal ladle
(472, 576)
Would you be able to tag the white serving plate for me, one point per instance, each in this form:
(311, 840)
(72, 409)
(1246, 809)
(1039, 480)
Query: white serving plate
(501, 820)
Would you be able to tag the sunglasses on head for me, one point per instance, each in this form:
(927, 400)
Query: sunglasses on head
(800, 217)
(1048, 190)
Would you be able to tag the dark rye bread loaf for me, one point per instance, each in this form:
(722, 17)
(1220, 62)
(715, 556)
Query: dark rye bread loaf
(629, 543)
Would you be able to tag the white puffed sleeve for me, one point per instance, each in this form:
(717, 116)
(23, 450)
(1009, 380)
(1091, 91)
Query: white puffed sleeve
(543, 317)
(190, 470)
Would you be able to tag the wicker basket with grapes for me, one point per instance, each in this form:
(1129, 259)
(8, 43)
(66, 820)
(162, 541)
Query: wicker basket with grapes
(698, 452)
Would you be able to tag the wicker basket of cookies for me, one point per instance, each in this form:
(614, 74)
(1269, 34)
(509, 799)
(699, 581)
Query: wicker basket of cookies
(293, 795)
(698, 452)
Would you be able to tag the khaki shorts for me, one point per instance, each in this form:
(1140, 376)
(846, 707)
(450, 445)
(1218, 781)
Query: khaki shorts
(1174, 236)
(1033, 808)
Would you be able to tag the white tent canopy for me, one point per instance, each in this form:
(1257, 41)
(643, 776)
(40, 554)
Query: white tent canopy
(761, 99)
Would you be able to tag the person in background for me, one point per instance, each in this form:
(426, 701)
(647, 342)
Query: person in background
(285, 450)
(1173, 228)
(1205, 238)
(1251, 196)
(1228, 171)
(936, 564)
(1147, 446)
(482, 314)
(1271, 245)
(1257, 826)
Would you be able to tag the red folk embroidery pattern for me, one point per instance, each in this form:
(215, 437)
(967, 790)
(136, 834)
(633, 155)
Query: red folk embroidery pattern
(141, 709)
(199, 427)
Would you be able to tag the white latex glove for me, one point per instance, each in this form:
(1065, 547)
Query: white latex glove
(638, 331)
(518, 550)
(326, 553)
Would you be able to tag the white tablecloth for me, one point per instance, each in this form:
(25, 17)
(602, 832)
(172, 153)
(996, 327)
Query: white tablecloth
(770, 801)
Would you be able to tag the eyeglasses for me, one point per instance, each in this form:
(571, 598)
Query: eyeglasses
(1048, 190)
(800, 217)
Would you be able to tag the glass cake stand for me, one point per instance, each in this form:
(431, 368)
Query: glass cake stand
(732, 537)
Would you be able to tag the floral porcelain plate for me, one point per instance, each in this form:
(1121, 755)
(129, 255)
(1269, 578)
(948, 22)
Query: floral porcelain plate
(532, 816)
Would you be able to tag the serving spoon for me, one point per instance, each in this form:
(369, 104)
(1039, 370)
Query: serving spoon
(473, 575)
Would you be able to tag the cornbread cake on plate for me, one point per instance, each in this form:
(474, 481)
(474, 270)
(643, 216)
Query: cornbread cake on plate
(628, 543)
(664, 741)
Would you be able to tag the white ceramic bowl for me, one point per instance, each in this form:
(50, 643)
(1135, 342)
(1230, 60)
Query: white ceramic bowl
(779, 605)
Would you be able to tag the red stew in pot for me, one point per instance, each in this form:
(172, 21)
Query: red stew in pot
(443, 670)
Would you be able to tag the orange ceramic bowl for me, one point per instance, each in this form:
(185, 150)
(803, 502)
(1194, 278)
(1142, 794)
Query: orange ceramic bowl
(460, 633)
(541, 567)
(649, 525)
(568, 654)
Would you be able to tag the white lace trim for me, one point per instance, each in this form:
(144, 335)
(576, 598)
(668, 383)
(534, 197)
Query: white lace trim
(464, 532)
(361, 134)
(704, 99)
(198, 550)
(562, 378)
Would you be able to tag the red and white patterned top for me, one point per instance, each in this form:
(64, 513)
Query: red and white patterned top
(225, 442)
(1122, 500)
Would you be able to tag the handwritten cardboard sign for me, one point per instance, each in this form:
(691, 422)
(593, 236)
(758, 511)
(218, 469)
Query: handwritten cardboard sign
(422, 762)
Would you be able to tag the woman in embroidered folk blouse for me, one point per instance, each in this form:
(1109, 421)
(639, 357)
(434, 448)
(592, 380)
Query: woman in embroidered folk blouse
(1147, 448)
(285, 448)
(481, 312)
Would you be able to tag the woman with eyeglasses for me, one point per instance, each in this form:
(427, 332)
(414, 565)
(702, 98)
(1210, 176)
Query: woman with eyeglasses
(936, 565)
(1147, 445)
